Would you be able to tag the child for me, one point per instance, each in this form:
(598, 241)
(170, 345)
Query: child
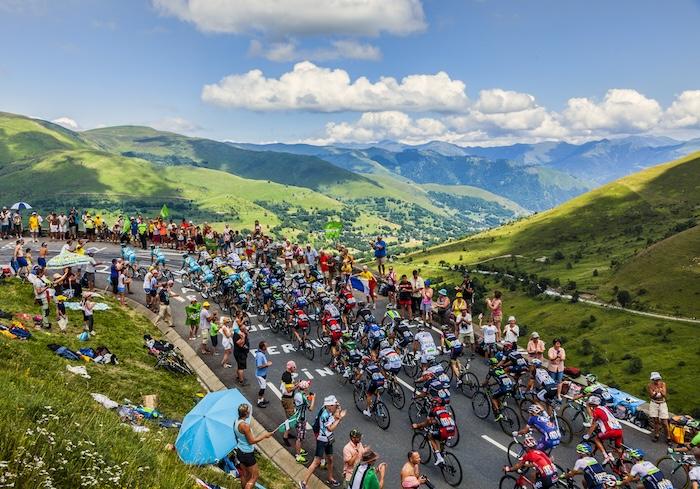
(61, 316)
(122, 282)
(87, 306)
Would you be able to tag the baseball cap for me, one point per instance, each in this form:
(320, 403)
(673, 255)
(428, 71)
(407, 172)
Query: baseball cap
(330, 401)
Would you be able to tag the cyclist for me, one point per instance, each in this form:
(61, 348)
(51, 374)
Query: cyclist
(546, 472)
(403, 334)
(334, 331)
(504, 385)
(424, 342)
(594, 388)
(299, 320)
(547, 387)
(436, 385)
(540, 421)
(375, 381)
(513, 361)
(594, 475)
(646, 472)
(450, 343)
(352, 358)
(375, 335)
(440, 427)
(389, 359)
(608, 427)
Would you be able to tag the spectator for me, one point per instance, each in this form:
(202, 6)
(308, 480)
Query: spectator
(535, 347)
(464, 329)
(245, 451)
(495, 305)
(241, 348)
(658, 409)
(43, 252)
(694, 474)
(410, 472)
(442, 305)
(556, 356)
(34, 226)
(511, 331)
(303, 402)
(88, 319)
(42, 294)
(61, 317)
(459, 303)
(261, 366)
(491, 335)
(205, 317)
(165, 314)
(226, 340)
(192, 317)
(352, 454)
(405, 291)
(380, 254)
(311, 259)
(426, 303)
(323, 260)
(365, 274)
(287, 389)
(329, 417)
(365, 475)
(114, 276)
(214, 334)
(391, 283)
(417, 285)
(90, 269)
(467, 289)
(4, 223)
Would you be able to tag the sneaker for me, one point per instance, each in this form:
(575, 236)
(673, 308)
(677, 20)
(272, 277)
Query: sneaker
(323, 464)
(300, 459)
(228, 365)
(439, 461)
(302, 452)
(262, 405)
(367, 413)
(302, 485)
(333, 483)
(498, 418)
(586, 424)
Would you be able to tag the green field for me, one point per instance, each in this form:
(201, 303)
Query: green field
(55, 435)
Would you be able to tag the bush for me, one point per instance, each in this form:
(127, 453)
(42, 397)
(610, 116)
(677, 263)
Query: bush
(624, 298)
(598, 359)
(569, 266)
(586, 347)
(634, 365)
(558, 255)
(595, 272)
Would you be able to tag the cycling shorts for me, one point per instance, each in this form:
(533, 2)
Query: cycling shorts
(547, 393)
(614, 435)
(544, 444)
(545, 481)
(502, 391)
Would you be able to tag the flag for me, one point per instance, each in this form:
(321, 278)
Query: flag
(333, 229)
(360, 284)
(164, 212)
(289, 424)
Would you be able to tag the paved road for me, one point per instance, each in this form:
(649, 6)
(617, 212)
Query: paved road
(481, 450)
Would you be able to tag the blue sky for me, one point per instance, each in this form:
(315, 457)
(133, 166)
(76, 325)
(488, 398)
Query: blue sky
(547, 69)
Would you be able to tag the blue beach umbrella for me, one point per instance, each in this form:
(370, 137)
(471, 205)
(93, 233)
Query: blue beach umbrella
(206, 435)
(20, 206)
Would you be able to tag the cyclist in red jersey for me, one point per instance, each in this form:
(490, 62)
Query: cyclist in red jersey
(608, 427)
(546, 475)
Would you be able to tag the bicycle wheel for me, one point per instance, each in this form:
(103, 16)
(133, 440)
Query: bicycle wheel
(410, 366)
(469, 385)
(524, 406)
(416, 412)
(381, 415)
(674, 472)
(167, 274)
(398, 397)
(453, 441)
(445, 364)
(508, 482)
(481, 404)
(186, 280)
(567, 434)
(326, 354)
(141, 272)
(419, 443)
(273, 324)
(510, 421)
(515, 451)
(358, 395)
(309, 351)
(451, 469)
(576, 419)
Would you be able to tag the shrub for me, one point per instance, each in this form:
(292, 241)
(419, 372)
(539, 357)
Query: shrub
(624, 298)
(598, 359)
(595, 272)
(558, 255)
(634, 365)
(586, 347)
(569, 266)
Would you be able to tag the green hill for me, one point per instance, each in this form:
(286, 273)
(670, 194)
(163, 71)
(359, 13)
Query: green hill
(603, 238)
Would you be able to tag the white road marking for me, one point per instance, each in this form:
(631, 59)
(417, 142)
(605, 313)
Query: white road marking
(178, 298)
(498, 445)
(632, 425)
(405, 384)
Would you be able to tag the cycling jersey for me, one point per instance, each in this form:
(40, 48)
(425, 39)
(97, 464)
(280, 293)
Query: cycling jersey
(593, 473)
(504, 384)
(331, 311)
(518, 363)
(428, 349)
(550, 433)
(543, 464)
(391, 361)
(543, 378)
(650, 475)
(375, 377)
(605, 419)
(437, 391)
(601, 392)
(443, 425)
(453, 344)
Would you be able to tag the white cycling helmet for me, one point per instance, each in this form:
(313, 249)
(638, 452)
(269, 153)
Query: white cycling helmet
(594, 401)
(534, 409)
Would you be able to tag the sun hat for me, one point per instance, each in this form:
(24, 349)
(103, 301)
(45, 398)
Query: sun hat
(206, 304)
(511, 318)
(459, 294)
(330, 401)
(655, 376)
(535, 334)
(442, 292)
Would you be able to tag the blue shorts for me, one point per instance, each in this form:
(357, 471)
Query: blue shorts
(323, 448)
(121, 289)
(22, 261)
(557, 376)
(545, 444)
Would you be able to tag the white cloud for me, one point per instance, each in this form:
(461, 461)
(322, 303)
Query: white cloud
(622, 110)
(67, 122)
(312, 88)
(176, 124)
(289, 51)
(299, 17)
(500, 101)
(684, 112)
(376, 126)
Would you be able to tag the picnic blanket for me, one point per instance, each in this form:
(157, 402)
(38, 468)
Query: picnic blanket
(75, 306)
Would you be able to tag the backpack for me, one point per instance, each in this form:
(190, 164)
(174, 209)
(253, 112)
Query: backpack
(316, 426)
(446, 425)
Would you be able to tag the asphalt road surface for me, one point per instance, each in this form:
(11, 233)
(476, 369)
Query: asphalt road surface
(482, 446)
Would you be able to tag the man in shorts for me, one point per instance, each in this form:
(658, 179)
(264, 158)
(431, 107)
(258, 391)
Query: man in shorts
(331, 414)
(380, 254)
(205, 319)
(607, 425)
(287, 387)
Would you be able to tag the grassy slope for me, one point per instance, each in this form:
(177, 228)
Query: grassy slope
(479, 193)
(33, 378)
(21, 137)
(612, 223)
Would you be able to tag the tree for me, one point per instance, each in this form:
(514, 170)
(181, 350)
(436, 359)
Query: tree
(624, 298)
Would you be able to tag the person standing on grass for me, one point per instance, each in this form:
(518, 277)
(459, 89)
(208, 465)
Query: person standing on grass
(122, 283)
(165, 292)
(426, 304)
(658, 409)
(226, 340)
(352, 454)
(495, 305)
(245, 449)
(90, 270)
(192, 312)
(556, 355)
(379, 247)
(241, 348)
(442, 305)
(535, 347)
(205, 317)
(287, 387)
(261, 365)
(303, 402)
(43, 253)
(88, 319)
(330, 416)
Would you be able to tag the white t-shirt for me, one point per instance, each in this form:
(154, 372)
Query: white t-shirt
(427, 343)
(694, 474)
(147, 281)
(489, 332)
(465, 324)
(511, 333)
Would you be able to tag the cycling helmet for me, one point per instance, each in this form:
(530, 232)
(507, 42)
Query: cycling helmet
(591, 378)
(296, 293)
(529, 442)
(384, 344)
(370, 319)
(507, 346)
(594, 401)
(537, 362)
(534, 409)
(493, 361)
(326, 300)
(355, 433)
(584, 448)
(499, 356)
(609, 480)
(445, 328)
(636, 453)
(302, 302)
